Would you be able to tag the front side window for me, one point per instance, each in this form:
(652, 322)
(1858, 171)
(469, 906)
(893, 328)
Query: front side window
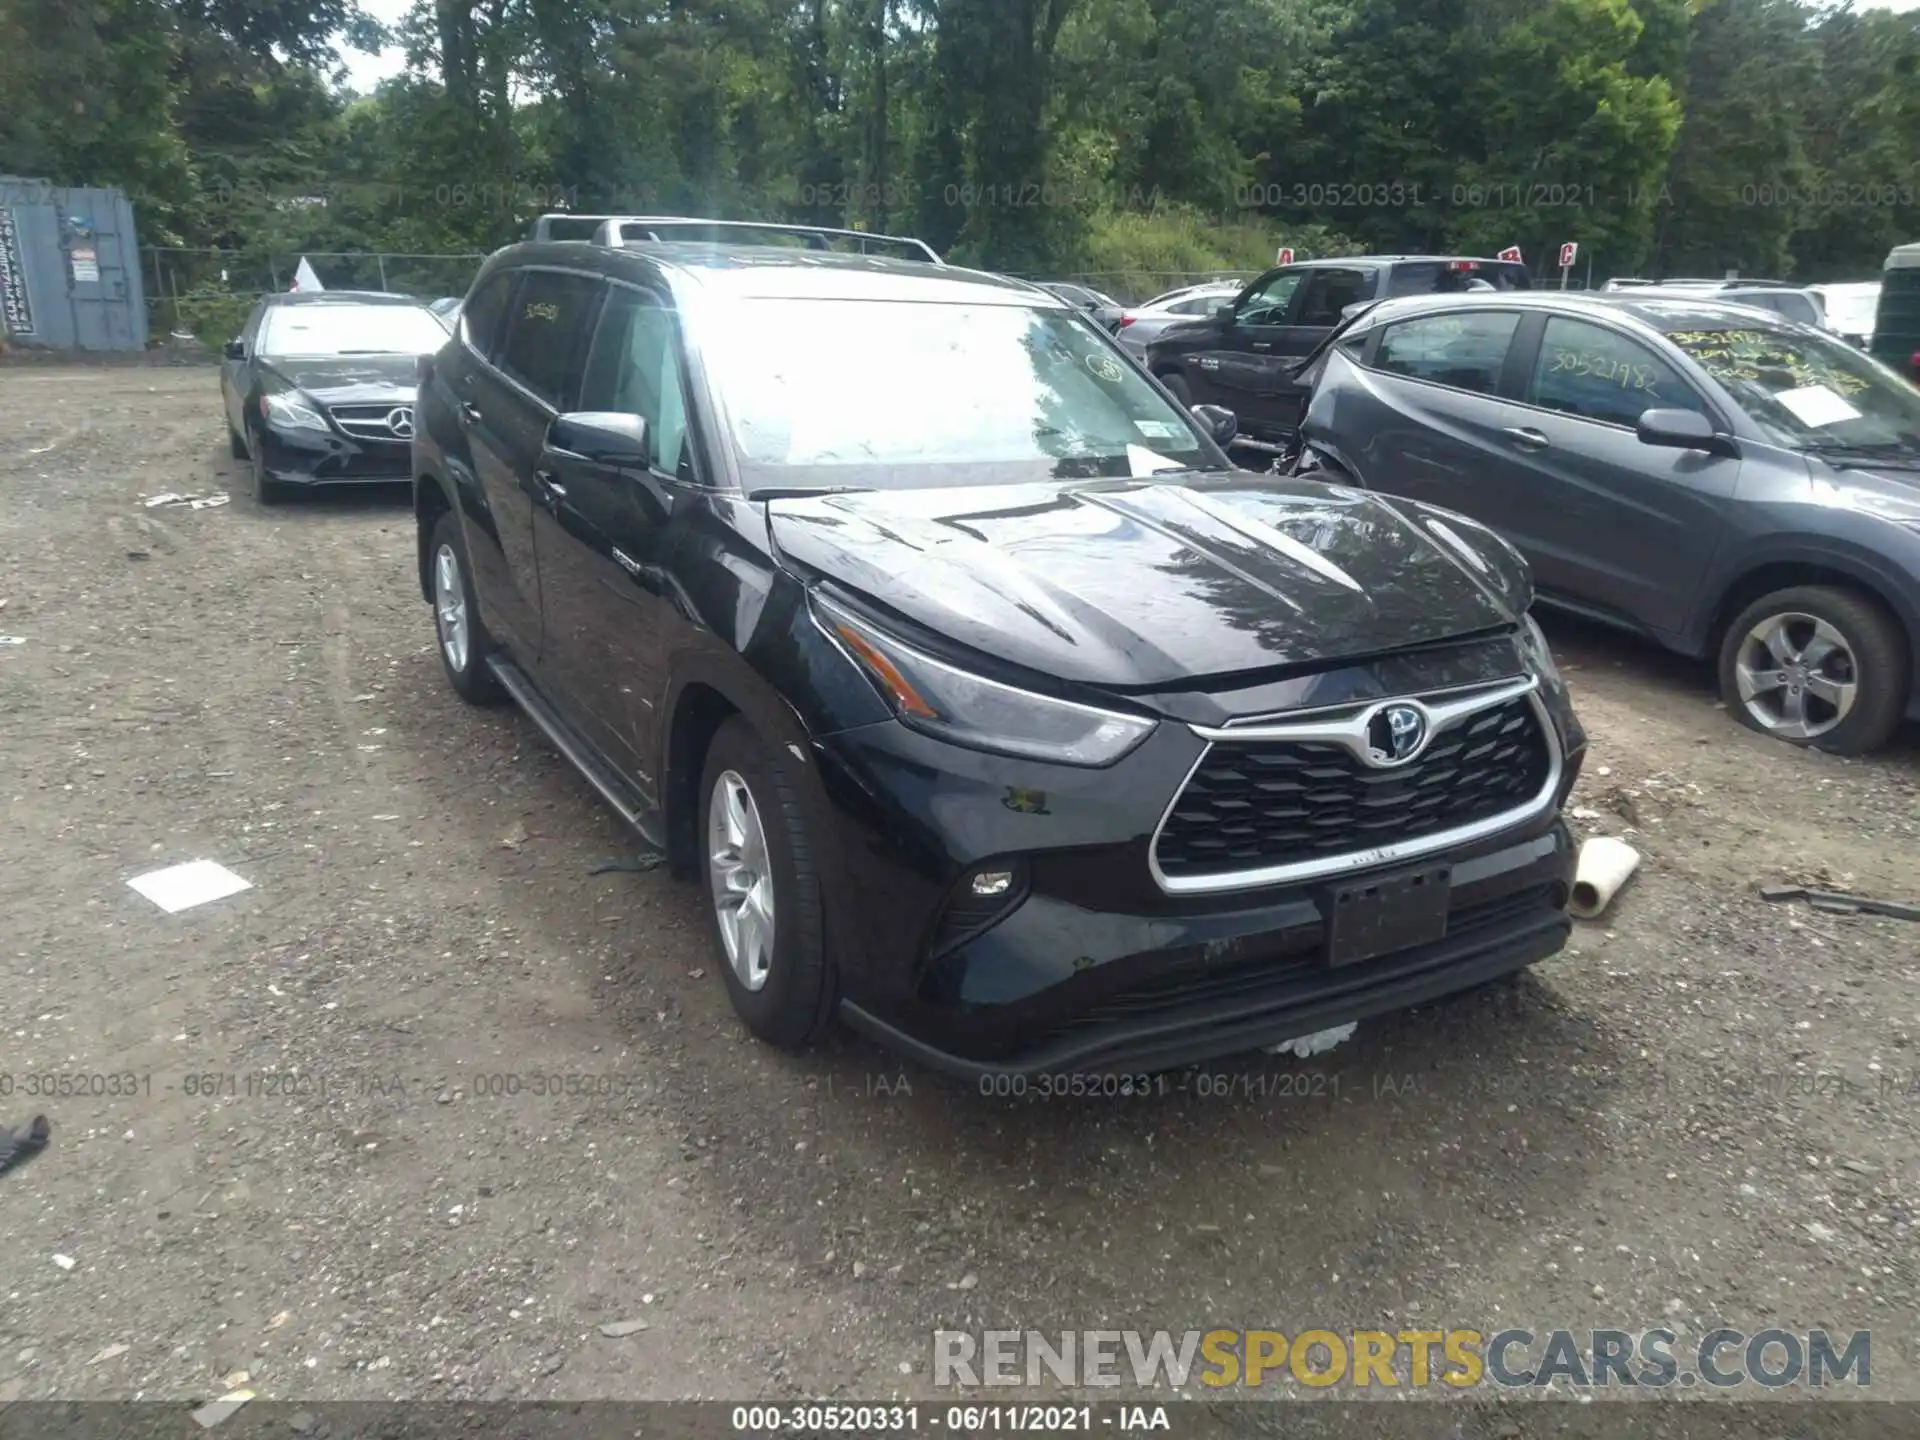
(335, 329)
(1808, 391)
(547, 331)
(1270, 300)
(1599, 374)
(899, 394)
(634, 367)
(1464, 351)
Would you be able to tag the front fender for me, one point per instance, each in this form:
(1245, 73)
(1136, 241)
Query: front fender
(1869, 567)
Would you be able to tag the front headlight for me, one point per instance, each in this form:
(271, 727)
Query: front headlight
(289, 412)
(966, 709)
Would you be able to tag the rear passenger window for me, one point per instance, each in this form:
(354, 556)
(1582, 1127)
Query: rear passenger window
(480, 317)
(1600, 374)
(1464, 351)
(547, 332)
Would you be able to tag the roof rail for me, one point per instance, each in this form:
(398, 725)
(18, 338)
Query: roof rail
(618, 230)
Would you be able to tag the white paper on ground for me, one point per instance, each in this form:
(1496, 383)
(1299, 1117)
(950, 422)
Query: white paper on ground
(1817, 405)
(181, 887)
(1313, 1044)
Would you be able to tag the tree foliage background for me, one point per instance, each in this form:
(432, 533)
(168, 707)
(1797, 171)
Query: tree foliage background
(1069, 136)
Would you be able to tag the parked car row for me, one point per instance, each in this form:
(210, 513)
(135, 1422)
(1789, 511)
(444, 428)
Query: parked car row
(1000, 714)
(1731, 484)
(1246, 352)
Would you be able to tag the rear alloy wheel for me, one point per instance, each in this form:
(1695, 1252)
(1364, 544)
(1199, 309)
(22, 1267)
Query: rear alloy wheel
(1816, 666)
(463, 640)
(763, 890)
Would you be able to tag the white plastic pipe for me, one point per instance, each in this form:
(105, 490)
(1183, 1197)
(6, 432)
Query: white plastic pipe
(1603, 867)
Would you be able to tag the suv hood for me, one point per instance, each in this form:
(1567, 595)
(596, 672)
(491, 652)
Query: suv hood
(1145, 584)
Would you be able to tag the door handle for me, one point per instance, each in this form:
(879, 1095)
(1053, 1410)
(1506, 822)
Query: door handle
(469, 412)
(1527, 438)
(550, 485)
(1263, 344)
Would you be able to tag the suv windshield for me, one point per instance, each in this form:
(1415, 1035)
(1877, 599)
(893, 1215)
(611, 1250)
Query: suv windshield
(1809, 392)
(351, 330)
(896, 395)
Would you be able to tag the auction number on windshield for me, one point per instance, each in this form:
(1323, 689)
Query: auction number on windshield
(1624, 373)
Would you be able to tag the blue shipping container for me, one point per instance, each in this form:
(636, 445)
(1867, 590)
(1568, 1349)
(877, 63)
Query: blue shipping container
(69, 268)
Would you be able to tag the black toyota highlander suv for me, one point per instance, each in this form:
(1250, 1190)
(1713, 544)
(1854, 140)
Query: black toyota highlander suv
(993, 710)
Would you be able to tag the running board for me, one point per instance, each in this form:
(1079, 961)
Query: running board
(618, 792)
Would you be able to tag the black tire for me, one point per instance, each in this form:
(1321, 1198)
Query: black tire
(1177, 387)
(466, 666)
(794, 1005)
(266, 491)
(1878, 662)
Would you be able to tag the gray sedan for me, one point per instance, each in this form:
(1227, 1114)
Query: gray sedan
(1718, 478)
(1142, 324)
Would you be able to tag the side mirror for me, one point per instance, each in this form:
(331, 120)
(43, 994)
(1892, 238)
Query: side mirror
(236, 350)
(1220, 423)
(1223, 313)
(603, 437)
(1682, 430)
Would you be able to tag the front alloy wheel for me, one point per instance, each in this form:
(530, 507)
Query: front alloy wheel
(457, 623)
(741, 880)
(1817, 665)
(450, 608)
(1796, 676)
(768, 919)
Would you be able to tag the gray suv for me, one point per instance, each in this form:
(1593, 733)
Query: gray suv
(1718, 478)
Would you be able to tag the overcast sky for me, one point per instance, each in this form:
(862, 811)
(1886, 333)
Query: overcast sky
(366, 71)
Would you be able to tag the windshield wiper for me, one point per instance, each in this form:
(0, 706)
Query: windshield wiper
(369, 352)
(805, 492)
(1880, 451)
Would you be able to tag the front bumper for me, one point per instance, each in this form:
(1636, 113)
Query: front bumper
(314, 457)
(1508, 912)
(1093, 965)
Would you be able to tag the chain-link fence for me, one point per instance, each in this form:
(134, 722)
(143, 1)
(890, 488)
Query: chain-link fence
(207, 293)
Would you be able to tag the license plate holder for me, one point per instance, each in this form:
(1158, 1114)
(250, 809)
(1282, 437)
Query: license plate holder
(1374, 917)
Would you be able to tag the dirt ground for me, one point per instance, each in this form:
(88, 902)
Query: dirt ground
(1704, 1112)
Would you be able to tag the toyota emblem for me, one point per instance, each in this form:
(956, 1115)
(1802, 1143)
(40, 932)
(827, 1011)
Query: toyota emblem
(400, 421)
(1396, 734)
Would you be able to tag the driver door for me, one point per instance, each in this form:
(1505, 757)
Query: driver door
(1240, 371)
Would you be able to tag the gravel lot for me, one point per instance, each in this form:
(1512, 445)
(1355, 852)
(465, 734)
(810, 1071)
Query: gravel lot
(1705, 1112)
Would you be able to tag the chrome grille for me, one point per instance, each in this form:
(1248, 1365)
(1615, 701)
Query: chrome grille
(370, 422)
(1271, 807)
